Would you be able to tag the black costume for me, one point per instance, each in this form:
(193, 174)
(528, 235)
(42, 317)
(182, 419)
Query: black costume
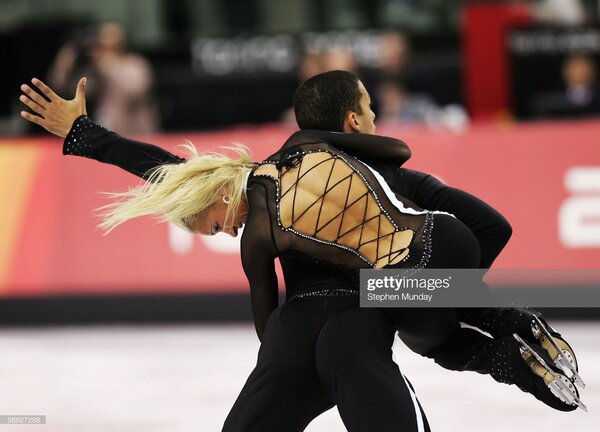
(425, 239)
(315, 353)
(275, 371)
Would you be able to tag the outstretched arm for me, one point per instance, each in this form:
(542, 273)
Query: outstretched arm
(93, 141)
(67, 118)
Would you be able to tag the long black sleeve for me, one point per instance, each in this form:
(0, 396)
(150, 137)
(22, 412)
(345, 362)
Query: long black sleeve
(90, 140)
(258, 256)
(370, 147)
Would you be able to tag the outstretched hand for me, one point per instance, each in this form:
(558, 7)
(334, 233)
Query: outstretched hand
(54, 113)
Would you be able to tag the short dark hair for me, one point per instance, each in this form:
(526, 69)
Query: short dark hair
(322, 101)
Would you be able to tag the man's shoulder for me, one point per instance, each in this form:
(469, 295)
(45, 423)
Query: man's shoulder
(309, 136)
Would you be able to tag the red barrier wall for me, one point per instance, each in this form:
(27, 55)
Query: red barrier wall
(545, 178)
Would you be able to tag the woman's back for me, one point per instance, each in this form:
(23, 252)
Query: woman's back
(332, 207)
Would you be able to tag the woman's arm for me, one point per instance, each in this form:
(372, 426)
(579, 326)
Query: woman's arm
(258, 257)
(88, 139)
(67, 118)
(367, 147)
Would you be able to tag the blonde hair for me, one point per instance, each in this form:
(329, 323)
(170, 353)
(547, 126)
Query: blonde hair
(180, 192)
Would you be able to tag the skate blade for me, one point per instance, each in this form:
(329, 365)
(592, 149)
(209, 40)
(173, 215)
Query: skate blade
(556, 385)
(561, 360)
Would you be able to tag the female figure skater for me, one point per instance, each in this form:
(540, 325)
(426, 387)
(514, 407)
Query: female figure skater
(310, 198)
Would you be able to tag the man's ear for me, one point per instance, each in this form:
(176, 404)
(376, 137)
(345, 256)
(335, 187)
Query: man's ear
(351, 123)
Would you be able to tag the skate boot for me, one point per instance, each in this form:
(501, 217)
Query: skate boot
(503, 360)
(550, 376)
(531, 327)
(558, 349)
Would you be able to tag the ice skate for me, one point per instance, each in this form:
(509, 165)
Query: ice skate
(559, 384)
(559, 350)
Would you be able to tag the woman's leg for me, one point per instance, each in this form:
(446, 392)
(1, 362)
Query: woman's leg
(425, 330)
(438, 334)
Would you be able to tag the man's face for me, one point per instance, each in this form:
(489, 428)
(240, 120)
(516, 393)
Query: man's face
(366, 120)
(579, 71)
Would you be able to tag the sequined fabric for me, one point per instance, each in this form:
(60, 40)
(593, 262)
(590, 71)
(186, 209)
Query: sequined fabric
(78, 142)
(333, 292)
(90, 140)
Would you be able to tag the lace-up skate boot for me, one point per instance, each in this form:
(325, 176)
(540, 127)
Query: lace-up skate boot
(539, 362)
(506, 363)
(560, 352)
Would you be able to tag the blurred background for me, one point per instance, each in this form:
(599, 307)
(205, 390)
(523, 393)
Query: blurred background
(499, 98)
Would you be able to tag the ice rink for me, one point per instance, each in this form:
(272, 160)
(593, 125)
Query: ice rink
(181, 378)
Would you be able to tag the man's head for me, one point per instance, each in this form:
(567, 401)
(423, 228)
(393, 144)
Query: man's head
(334, 101)
(579, 70)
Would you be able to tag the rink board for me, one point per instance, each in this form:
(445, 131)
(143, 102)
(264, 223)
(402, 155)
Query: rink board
(544, 177)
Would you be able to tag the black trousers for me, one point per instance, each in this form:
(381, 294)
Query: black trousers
(426, 329)
(318, 352)
(437, 333)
